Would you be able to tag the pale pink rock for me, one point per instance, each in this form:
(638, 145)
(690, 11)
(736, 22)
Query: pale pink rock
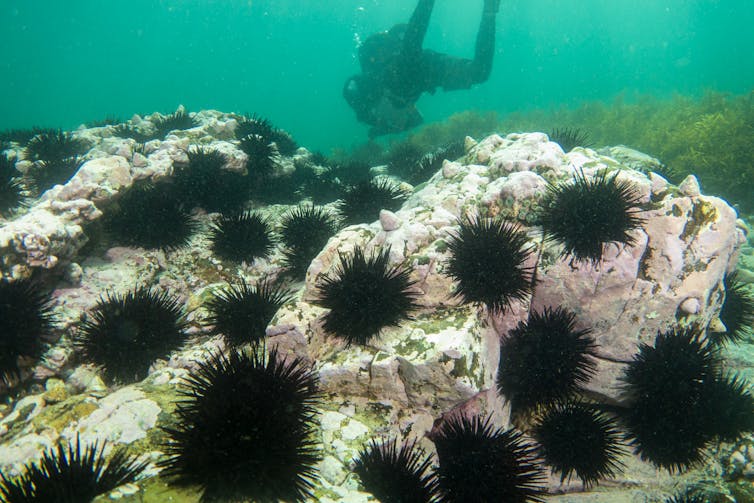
(450, 168)
(98, 179)
(659, 184)
(520, 152)
(124, 416)
(692, 305)
(389, 221)
(139, 161)
(690, 186)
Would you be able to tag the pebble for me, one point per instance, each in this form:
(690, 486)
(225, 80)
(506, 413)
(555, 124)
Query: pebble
(737, 459)
(450, 168)
(691, 305)
(55, 391)
(748, 470)
(354, 429)
(73, 274)
(389, 220)
(690, 186)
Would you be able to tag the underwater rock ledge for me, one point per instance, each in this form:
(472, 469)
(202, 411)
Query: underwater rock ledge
(442, 360)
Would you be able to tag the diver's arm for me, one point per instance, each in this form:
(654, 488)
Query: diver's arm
(417, 26)
(485, 42)
(460, 73)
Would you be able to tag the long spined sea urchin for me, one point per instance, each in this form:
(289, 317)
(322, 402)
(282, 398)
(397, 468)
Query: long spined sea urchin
(126, 333)
(488, 260)
(590, 212)
(245, 429)
(365, 295)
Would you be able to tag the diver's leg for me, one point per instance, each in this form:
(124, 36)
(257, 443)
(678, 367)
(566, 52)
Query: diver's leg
(485, 42)
(417, 28)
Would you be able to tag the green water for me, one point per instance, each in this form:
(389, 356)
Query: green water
(67, 62)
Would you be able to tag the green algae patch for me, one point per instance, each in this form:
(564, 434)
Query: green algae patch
(436, 322)
(321, 492)
(676, 211)
(420, 259)
(702, 214)
(381, 356)
(413, 344)
(157, 490)
(62, 414)
(441, 246)
(460, 366)
(465, 369)
(419, 187)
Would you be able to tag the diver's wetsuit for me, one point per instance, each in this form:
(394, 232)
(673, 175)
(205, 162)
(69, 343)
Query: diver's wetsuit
(396, 70)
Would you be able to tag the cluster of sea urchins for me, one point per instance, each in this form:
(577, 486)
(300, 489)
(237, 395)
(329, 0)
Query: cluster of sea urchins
(56, 156)
(546, 361)
(475, 462)
(253, 411)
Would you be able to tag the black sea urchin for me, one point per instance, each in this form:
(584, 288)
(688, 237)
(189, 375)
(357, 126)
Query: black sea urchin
(241, 313)
(305, 230)
(127, 130)
(479, 462)
(575, 437)
(737, 313)
(320, 186)
(284, 142)
(396, 475)
(545, 359)
(126, 333)
(365, 295)
(570, 138)
(431, 162)
(588, 214)
(402, 158)
(54, 145)
(150, 216)
(204, 182)
(668, 418)
(243, 236)
(362, 202)
(57, 158)
(487, 258)
(687, 497)
(11, 187)
(23, 136)
(245, 429)
(254, 125)
(25, 318)
(178, 120)
(261, 155)
(730, 398)
(351, 172)
(44, 175)
(68, 475)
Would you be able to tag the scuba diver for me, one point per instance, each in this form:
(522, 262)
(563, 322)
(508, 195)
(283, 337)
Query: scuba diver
(396, 70)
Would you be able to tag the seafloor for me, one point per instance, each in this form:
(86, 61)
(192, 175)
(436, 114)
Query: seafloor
(440, 361)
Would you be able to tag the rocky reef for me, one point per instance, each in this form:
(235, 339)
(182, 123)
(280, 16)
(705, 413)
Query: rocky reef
(441, 361)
